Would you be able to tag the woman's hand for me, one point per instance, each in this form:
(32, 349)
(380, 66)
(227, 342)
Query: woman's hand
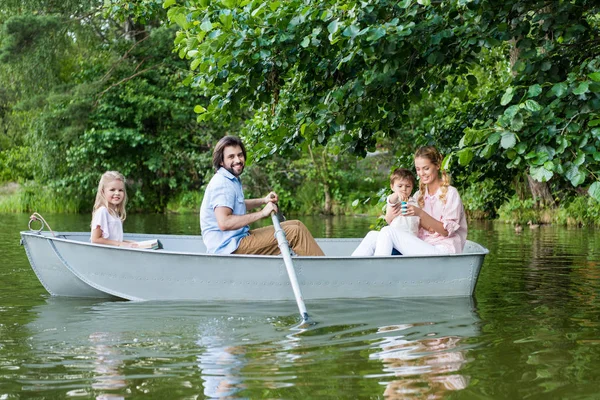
(413, 210)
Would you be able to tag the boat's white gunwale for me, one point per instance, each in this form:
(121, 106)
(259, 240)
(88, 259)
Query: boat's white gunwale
(483, 251)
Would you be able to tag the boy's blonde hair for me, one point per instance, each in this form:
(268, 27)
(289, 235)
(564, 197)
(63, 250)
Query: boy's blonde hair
(435, 157)
(102, 201)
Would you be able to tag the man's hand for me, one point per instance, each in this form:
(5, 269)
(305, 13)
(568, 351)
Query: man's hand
(268, 209)
(271, 198)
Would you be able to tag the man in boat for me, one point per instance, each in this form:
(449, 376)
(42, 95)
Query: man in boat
(223, 217)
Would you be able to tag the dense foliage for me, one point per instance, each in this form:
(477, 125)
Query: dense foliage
(510, 91)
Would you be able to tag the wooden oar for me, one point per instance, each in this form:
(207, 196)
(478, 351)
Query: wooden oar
(284, 247)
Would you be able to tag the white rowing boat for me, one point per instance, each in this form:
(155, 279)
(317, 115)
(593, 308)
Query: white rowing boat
(69, 265)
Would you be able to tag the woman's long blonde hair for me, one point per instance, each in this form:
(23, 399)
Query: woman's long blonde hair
(434, 156)
(102, 201)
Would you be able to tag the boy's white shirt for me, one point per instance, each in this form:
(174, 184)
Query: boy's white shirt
(408, 223)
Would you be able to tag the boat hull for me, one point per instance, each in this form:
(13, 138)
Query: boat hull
(182, 271)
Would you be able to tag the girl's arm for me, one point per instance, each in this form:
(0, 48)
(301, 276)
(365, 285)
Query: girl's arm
(98, 239)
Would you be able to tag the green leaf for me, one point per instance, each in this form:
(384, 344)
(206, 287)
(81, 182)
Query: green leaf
(559, 89)
(541, 174)
(375, 34)
(305, 42)
(199, 109)
(195, 62)
(580, 159)
(597, 156)
(594, 190)
(169, 3)
(494, 138)
(351, 31)
(509, 139)
(229, 3)
(517, 122)
(594, 122)
(333, 26)
(446, 162)
(534, 90)
(206, 25)
(575, 176)
(595, 76)
(546, 65)
(424, 2)
(533, 106)
(521, 147)
(582, 88)
(465, 156)
(507, 97)
(404, 3)
(226, 19)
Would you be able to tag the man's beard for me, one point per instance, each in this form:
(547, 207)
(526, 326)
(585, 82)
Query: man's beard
(232, 171)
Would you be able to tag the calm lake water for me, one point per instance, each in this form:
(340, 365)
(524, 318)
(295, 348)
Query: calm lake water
(531, 331)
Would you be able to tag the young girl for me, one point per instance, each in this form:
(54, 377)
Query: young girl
(402, 183)
(443, 228)
(109, 211)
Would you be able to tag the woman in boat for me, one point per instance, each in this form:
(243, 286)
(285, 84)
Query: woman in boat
(109, 211)
(443, 225)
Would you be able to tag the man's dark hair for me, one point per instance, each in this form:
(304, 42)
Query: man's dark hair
(225, 141)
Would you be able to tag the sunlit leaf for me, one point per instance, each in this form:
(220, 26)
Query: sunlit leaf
(559, 89)
(533, 106)
(575, 176)
(507, 97)
(465, 156)
(582, 88)
(508, 140)
(534, 90)
(595, 76)
(541, 174)
(594, 190)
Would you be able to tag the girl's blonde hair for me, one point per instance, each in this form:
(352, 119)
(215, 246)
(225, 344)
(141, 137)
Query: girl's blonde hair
(102, 201)
(434, 156)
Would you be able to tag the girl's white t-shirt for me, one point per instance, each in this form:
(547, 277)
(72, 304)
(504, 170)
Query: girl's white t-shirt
(112, 227)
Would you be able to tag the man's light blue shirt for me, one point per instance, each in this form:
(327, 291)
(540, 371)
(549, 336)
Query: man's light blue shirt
(223, 190)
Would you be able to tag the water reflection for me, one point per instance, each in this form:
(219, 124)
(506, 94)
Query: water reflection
(107, 364)
(220, 367)
(424, 356)
(244, 350)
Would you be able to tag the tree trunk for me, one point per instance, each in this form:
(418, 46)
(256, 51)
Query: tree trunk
(323, 177)
(540, 193)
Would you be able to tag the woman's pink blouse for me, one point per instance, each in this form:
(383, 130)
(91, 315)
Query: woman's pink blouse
(451, 215)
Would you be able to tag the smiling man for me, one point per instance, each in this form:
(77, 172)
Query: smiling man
(223, 217)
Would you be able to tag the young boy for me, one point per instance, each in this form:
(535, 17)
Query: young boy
(402, 183)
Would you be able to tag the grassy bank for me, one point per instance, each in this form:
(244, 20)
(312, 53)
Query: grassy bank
(580, 211)
(30, 197)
